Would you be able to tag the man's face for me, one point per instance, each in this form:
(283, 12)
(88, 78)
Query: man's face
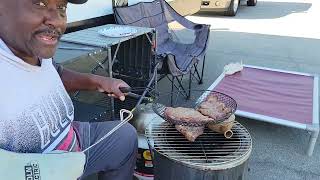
(32, 28)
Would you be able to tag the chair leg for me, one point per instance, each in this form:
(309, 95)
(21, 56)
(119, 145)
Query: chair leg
(182, 88)
(312, 142)
(179, 87)
(172, 87)
(203, 63)
(190, 79)
(196, 72)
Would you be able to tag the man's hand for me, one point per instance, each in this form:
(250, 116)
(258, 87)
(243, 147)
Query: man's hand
(75, 81)
(110, 86)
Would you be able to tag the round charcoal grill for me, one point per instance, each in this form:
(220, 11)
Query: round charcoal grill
(211, 156)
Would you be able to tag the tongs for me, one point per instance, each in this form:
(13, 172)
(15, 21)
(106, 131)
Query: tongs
(129, 92)
(132, 92)
(123, 121)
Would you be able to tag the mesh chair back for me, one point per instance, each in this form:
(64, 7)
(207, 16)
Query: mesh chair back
(158, 14)
(145, 14)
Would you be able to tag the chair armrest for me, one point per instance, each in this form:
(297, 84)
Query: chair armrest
(176, 16)
(182, 20)
(202, 36)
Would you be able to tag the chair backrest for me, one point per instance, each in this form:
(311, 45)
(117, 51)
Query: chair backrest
(33, 166)
(146, 14)
(143, 14)
(158, 14)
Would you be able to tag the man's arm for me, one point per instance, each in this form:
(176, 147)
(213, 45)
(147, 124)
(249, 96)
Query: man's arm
(74, 81)
(58, 67)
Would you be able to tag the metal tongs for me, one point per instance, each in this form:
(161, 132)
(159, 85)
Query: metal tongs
(129, 92)
(123, 121)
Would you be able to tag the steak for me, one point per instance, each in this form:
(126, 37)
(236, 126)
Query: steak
(190, 132)
(213, 108)
(212, 99)
(185, 115)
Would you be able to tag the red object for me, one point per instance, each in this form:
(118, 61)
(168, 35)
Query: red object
(276, 94)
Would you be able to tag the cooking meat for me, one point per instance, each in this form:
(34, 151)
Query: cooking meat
(213, 108)
(224, 127)
(185, 115)
(212, 98)
(190, 132)
(211, 113)
(209, 105)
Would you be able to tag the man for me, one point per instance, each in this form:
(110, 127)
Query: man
(36, 113)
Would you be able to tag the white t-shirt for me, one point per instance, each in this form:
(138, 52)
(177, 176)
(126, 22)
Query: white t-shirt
(35, 110)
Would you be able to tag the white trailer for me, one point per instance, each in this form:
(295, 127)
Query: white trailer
(99, 8)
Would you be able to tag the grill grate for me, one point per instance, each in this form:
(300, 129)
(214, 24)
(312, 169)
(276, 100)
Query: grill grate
(210, 149)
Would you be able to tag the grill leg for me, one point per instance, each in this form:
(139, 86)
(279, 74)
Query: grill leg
(312, 142)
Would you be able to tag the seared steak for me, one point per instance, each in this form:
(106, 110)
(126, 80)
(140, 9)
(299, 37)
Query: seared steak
(191, 133)
(185, 115)
(213, 108)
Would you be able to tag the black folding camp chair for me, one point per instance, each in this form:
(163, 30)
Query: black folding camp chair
(178, 58)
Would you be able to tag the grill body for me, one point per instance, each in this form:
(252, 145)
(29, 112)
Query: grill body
(210, 157)
(169, 169)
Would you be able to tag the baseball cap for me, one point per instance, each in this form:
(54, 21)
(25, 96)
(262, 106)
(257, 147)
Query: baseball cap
(77, 1)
